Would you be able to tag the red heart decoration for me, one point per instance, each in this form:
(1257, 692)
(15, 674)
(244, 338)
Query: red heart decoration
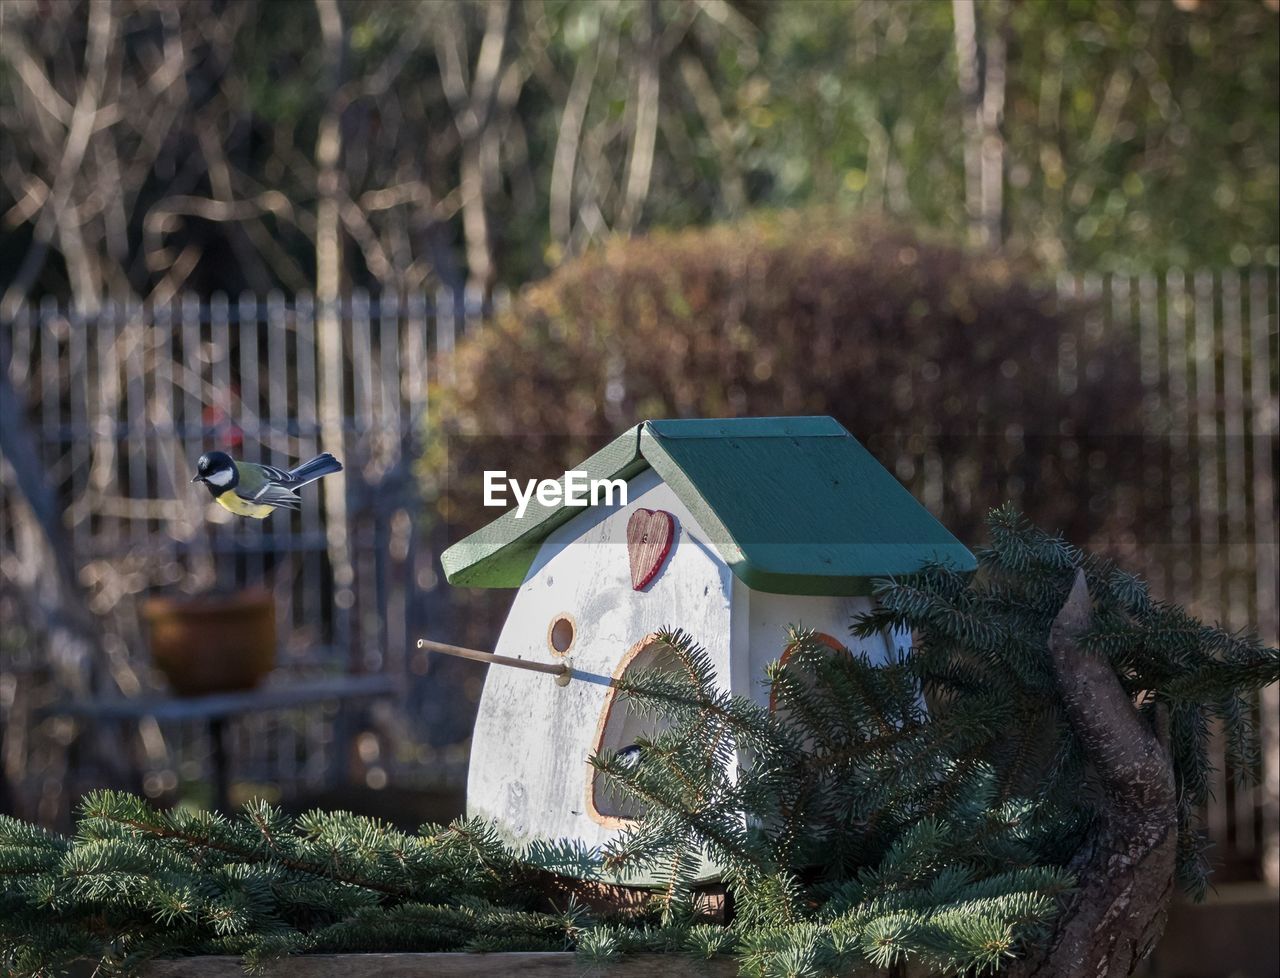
(650, 533)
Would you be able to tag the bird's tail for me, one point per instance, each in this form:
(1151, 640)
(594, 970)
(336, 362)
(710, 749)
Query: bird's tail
(322, 465)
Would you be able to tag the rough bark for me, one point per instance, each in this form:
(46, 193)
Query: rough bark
(473, 101)
(980, 71)
(1125, 869)
(645, 133)
(328, 321)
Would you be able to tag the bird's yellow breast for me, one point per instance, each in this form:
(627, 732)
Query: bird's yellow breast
(242, 507)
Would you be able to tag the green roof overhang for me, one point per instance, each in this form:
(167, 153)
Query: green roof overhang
(792, 505)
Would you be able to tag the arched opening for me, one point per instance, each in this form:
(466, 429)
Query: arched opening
(619, 728)
(822, 637)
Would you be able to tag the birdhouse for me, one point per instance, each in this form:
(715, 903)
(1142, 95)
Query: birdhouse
(731, 530)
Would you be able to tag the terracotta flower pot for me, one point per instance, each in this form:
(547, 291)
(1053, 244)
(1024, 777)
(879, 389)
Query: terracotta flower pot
(212, 643)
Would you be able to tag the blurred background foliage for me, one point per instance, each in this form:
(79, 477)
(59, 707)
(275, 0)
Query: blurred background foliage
(491, 141)
(927, 351)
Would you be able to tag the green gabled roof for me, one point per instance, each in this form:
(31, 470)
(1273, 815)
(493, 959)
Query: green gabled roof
(792, 505)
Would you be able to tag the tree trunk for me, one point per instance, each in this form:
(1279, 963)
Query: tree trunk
(980, 70)
(473, 101)
(1125, 869)
(645, 131)
(328, 320)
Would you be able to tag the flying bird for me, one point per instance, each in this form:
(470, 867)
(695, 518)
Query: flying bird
(250, 489)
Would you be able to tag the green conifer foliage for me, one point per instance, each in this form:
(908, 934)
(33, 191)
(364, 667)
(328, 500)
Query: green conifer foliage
(923, 811)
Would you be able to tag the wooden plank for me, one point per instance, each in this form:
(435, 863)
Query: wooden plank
(363, 450)
(254, 740)
(1070, 292)
(1234, 496)
(1207, 573)
(446, 332)
(1093, 292)
(162, 411)
(1155, 425)
(277, 376)
(545, 964)
(391, 589)
(419, 570)
(133, 442)
(414, 357)
(389, 366)
(200, 560)
(1205, 356)
(220, 399)
(107, 410)
(15, 351)
(1264, 308)
(48, 329)
(1263, 302)
(362, 384)
(1179, 441)
(249, 418)
(309, 612)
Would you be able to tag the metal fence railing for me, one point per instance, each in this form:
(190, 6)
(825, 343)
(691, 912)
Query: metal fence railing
(123, 402)
(1207, 344)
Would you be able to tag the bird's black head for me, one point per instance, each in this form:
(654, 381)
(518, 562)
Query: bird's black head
(218, 471)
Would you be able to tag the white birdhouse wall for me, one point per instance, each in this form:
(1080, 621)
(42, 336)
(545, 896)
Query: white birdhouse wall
(532, 738)
(591, 601)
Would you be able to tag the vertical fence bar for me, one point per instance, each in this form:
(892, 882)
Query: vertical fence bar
(107, 409)
(194, 441)
(1069, 289)
(256, 731)
(1234, 497)
(1263, 300)
(1205, 356)
(446, 330)
(1264, 314)
(78, 525)
(49, 328)
(1155, 427)
(249, 419)
(276, 450)
(398, 463)
(1264, 309)
(163, 417)
(1179, 441)
(133, 438)
(285, 539)
(224, 434)
(310, 608)
(413, 395)
(1206, 580)
(362, 452)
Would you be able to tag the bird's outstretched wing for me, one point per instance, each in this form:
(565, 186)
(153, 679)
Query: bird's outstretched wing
(276, 495)
(271, 473)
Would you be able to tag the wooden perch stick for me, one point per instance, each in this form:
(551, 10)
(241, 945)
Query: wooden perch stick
(561, 671)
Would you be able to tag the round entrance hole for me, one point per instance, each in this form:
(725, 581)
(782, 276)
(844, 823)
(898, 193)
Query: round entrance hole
(561, 634)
